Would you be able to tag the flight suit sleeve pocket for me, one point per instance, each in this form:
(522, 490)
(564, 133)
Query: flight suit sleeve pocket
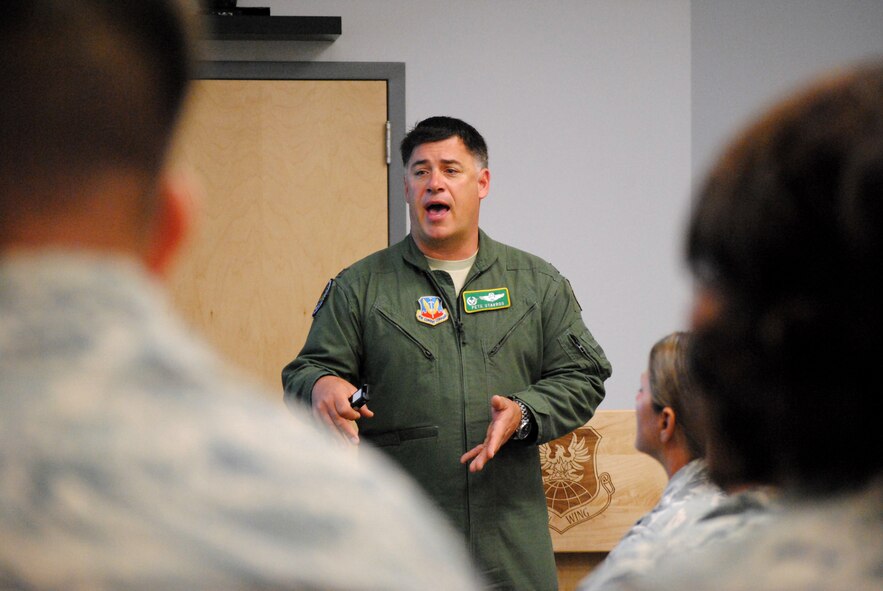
(583, 350)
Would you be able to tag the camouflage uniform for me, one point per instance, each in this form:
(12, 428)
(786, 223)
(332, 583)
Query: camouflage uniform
(688, 496)
(830, 544)
(130, 458)
(736, 517)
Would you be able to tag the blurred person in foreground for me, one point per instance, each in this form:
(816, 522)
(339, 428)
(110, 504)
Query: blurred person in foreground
(786, 245)
(130, 458)
(669, 429)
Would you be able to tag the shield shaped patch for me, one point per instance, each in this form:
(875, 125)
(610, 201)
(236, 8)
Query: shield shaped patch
(575, 493)
(432, 310)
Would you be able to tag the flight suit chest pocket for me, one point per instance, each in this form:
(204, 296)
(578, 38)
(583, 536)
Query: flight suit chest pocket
(514, 348)
(391, 323)
(401, 367)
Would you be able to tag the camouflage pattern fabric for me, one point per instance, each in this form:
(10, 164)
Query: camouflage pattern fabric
(809, 545)
(131, 458)
(688, 496)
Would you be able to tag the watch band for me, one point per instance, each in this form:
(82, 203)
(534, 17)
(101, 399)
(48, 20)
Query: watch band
(524, 426)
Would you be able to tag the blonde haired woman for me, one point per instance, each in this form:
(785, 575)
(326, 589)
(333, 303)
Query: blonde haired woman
(667, 412)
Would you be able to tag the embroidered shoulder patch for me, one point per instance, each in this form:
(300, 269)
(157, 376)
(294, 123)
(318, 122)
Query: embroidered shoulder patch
(482, 300)
(323, 296)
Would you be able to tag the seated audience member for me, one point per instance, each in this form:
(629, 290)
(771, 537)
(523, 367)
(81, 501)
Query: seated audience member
(130, 458)
(667, 410)
(786, 245)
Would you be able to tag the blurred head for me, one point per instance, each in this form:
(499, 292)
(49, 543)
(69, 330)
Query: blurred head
(786, 245)
(92, 90)
(446, 177)
(668, 406)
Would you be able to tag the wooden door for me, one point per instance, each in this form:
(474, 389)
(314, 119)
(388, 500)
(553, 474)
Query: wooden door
(294, 180)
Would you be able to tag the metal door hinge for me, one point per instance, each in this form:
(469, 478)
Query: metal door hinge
(388, 142)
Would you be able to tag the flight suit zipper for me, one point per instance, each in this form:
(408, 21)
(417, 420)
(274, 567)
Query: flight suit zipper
(426, 352)
(583, 351)
(461, 341)
(511, 330)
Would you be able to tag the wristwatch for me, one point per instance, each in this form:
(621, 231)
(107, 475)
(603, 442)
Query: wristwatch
(523, 429)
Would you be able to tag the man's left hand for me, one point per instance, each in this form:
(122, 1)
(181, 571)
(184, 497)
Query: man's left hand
(505, 417)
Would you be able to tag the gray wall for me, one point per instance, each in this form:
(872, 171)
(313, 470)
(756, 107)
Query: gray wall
(747, 53)
(589, 109)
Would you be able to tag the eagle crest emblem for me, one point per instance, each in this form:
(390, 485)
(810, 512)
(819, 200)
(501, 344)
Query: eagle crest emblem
(575, 493)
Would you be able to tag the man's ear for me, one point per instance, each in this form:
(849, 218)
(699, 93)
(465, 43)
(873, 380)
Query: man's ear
(484, 183)
(667, 422)
(173, 220)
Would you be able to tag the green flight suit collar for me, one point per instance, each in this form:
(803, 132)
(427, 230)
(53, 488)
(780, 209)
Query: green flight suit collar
(489, 251)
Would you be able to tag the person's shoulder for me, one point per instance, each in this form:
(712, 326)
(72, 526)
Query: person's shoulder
(789, 554)
(385, 260)
(692, 485)
(302, 496)
(347, 495)
(837, 538)
(517, 259)
(832, 543)
(191, 461)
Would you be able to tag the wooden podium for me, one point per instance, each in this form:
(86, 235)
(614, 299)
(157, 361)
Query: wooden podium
(597, 486)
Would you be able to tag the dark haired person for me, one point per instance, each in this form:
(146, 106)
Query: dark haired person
(130, 458)
(786, 244)
(668, 411)
(474, 353)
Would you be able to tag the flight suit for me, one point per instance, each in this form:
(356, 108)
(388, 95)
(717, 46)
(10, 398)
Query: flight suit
(432, 366)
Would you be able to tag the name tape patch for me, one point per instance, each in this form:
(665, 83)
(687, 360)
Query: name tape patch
(483, 300)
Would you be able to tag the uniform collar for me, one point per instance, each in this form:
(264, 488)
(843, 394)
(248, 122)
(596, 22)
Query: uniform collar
(489, 251)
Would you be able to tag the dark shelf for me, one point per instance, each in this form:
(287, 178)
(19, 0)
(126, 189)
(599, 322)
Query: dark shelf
(252, 27)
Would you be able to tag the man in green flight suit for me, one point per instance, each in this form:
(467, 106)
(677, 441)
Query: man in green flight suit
(474, 353)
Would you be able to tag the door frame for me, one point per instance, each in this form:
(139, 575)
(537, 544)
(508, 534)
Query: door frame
(393, 73)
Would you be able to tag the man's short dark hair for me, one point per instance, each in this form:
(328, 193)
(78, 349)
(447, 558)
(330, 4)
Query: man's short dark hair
(788, 233)
(436, 129)
(87, 85)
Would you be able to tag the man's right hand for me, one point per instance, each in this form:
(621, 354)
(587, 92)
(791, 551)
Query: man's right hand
(331, 405)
